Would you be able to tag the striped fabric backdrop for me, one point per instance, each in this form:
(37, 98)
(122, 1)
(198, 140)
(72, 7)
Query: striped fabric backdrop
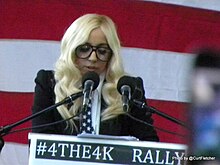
(158, 38)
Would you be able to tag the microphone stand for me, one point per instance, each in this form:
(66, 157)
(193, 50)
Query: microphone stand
(4, 130)
(153, 110)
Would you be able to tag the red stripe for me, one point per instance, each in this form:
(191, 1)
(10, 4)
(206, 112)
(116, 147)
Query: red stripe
(140, 23)
(176, 110)
(17, 106)
(14, 107)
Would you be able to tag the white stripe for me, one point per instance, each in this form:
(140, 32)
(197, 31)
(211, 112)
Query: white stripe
(165, 74)
(14, 154)
(203, 4)
(21, 59)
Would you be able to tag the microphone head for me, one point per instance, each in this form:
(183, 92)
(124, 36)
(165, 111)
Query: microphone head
(126, 80)
(93, 76)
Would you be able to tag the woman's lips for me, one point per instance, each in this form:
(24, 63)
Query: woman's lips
(91, 68)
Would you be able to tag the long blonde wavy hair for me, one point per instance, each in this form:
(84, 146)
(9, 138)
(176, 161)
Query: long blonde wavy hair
(68, 76)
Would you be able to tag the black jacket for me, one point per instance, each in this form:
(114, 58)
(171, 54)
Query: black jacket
(119, 126)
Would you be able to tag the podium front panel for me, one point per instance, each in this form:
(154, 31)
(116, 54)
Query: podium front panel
(49, 149)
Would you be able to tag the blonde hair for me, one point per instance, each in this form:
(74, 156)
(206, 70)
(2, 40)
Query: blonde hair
(68, 76)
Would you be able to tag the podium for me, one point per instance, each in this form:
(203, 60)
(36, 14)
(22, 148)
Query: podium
(49, 149)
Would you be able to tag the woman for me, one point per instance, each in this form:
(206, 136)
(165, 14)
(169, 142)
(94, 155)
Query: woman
(91, 43)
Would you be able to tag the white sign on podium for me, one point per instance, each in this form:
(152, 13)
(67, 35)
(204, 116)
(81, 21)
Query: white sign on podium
(49, 149)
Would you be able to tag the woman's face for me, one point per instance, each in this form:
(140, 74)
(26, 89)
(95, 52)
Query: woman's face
(92, 62)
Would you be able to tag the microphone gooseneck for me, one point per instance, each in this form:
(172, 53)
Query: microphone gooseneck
(90, 82)
(126, 87)
(90, 76)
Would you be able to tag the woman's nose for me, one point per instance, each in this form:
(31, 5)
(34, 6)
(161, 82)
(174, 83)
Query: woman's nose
(93, 56)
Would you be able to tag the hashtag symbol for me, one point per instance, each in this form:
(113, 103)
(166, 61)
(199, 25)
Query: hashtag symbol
(41, 148)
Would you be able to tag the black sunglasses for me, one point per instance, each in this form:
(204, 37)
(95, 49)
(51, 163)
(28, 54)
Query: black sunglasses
(103, 51)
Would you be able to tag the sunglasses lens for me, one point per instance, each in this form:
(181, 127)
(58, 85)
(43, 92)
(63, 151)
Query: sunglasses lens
(103, 53)
(83, 51)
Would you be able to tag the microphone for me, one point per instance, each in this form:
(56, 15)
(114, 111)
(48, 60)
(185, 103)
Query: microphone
(125, 87)
(90, 82)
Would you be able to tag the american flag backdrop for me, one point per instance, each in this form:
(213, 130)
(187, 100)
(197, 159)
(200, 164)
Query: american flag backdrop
(158, 40)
